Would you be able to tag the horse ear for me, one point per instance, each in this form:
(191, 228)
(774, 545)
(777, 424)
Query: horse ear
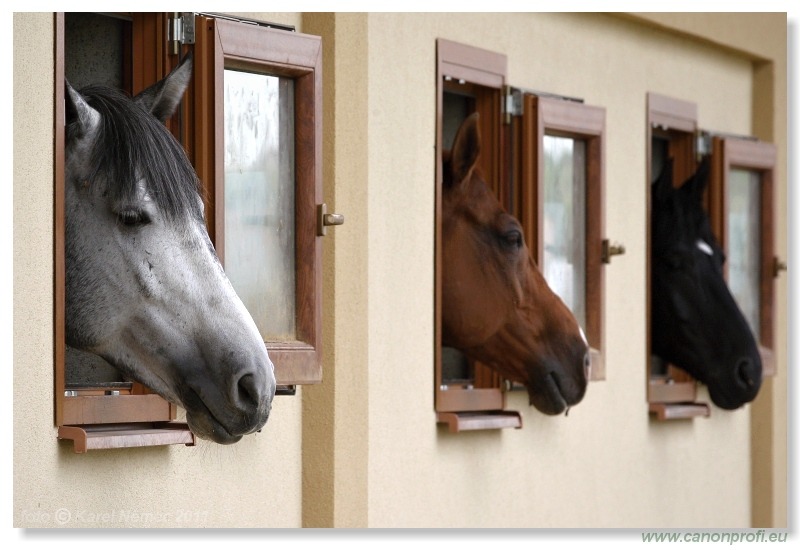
(696, 185)
(662, 186)
(81, 118)
(163, 97)
(466, 148)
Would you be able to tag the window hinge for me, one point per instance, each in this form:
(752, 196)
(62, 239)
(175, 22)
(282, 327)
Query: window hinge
(702, 144)
(181, 31)
(704, 141)
(512, 105)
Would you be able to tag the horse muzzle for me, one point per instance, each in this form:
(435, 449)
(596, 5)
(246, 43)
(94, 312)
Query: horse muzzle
(739, 386)
(559, 388)
(225, 412)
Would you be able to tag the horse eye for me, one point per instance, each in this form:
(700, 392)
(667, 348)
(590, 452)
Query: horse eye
(513, 238)
(133, 218)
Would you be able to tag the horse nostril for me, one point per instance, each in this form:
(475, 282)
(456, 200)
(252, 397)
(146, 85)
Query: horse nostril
(746, 372)
(587, 365)
(248, 393)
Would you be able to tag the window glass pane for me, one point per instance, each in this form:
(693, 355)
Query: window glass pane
(744, 242)
(259, 198)
(564, 261)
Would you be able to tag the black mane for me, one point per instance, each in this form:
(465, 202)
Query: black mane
(132, 145)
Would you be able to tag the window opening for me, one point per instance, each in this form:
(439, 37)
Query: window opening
(672, 130)
(467, 396)
(95, 406)
(459, 100)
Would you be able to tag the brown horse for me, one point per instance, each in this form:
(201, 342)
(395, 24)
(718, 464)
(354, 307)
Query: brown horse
(496, 305)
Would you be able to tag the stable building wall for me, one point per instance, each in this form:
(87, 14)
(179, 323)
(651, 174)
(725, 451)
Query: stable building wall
(608, 464)
(363, 449)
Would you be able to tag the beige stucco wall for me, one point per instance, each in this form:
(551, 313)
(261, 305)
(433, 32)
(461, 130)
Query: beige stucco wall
(362, 449)
(608, 464)
(762, 36)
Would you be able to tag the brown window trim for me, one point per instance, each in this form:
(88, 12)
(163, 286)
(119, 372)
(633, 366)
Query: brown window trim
(221, 43)
(734, 152)
(676, 120)
(59, 226)
(486, 71)
(550, 116)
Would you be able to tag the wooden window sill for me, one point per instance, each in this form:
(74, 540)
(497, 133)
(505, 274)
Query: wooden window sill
(679, 411)
(485, 420)
(117, 436)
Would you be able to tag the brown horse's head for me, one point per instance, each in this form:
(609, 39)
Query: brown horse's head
(496, 305)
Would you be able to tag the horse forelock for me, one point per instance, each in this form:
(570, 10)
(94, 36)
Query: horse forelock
(131, 148)
(682, 223)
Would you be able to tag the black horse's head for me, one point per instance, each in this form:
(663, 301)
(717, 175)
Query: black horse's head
(696, 324)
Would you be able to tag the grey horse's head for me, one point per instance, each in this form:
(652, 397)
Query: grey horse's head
(144, 287)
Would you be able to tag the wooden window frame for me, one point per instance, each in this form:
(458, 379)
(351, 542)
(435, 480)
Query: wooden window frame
(138, 417)
(480, 406)
(567, 118)
(220, 44)
(735, 152)
(514, 144)
(673, 396)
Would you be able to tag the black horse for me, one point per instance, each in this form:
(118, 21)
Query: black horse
(696, 324)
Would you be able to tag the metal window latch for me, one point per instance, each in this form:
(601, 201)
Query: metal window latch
(609, 250)
(778, 265)
(324, 219)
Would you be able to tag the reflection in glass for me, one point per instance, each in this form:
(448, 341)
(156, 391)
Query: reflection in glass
(564, 259)
(744, 246)
(259, 199)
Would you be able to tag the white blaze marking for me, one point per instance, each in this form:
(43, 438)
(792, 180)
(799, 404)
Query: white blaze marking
(704, 247)
(587, 363)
